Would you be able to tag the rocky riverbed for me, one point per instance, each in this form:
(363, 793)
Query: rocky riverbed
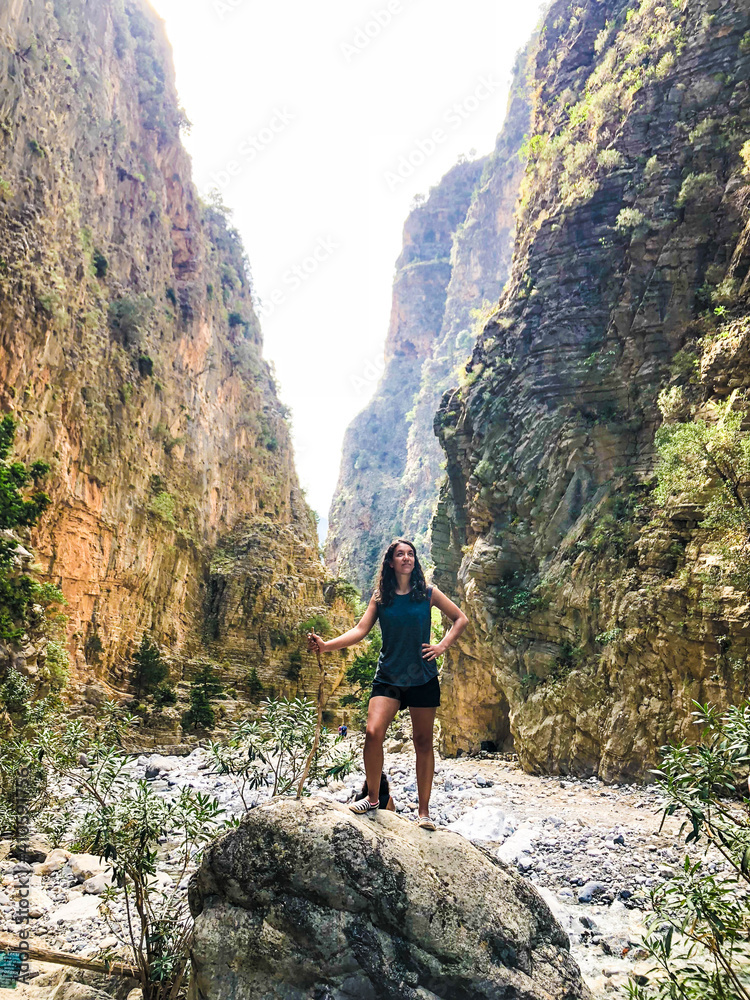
(592, 850)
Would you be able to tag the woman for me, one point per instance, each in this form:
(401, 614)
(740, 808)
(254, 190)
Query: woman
(406, 674)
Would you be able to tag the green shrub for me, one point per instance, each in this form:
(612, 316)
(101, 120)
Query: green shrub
(165, 694)
(100, 264)
(295, 665)
(145, 366)
(696, 187)
(629, 219)
(204, 686)
(163, 506)
(272, 751)
(699, 928)
(127, 318)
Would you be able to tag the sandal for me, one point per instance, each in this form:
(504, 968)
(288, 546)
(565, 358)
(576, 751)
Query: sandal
(426, 823)
(364, 806)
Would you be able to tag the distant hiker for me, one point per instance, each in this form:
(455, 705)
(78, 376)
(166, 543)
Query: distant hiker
(343, 730)
(385, 798)
(406, 675)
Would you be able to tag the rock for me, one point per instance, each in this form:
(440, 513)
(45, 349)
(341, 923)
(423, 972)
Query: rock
(157, 765)
(83, 866)
(78, 908)
(395, 746)
(519, 843)
(35, 849)
(590, 890)
(97, 883)
(54, 861)
(305, 893)
(483, 823)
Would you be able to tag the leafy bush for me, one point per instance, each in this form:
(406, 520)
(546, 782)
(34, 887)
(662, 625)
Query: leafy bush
(165, 694)
(163, 506)
(127, 318)
(629, 219)
(707, 465)
(696, 187)
(100, 263)
(273, 750)
(123, 822)
(699, 930)
(360, 675)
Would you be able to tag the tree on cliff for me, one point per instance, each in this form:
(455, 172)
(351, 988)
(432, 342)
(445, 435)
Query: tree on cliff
(204, 686)
(150, 669)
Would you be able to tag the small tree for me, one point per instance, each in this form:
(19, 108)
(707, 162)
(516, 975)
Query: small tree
(123, 822)
(204, 686)
(699, 932)
(254, 686)
(150, 669)
(274, 750)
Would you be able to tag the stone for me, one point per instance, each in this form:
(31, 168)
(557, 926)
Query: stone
(54, 861)
(306, 893)
(83, 866)
(590, 890)
(97, 883)
(81, 907)
(35, 849)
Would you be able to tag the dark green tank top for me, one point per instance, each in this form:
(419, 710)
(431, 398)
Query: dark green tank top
(405, 625)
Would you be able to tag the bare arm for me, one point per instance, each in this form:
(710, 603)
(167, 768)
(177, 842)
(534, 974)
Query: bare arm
(349, 638)
(456, 615)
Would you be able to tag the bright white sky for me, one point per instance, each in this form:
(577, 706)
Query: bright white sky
(301, 112)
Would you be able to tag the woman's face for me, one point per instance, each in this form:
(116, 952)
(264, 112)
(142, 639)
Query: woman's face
(402, 560)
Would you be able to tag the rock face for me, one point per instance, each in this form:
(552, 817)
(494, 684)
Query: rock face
(130, 352)
(598, 612)
(455, 261)
(305, 900)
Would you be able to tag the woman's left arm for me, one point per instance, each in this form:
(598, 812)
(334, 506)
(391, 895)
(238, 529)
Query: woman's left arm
(456, 615)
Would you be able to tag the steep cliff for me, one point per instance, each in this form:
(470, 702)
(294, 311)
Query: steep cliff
(131, 354)
(599, 606)
(447, 276)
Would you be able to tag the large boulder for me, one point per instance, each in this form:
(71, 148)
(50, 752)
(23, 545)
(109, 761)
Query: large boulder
(306, 900)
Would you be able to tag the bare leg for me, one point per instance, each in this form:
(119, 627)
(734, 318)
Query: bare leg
(423, 723)
(380, 714)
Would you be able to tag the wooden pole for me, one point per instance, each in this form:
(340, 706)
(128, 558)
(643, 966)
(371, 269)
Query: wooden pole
(316, 741)
(41, 954)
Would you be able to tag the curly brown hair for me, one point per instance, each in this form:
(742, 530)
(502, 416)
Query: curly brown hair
(387, 583)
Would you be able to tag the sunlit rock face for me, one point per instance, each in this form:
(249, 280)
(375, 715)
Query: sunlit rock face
(455, 260)
(131, 353)
(598, 615)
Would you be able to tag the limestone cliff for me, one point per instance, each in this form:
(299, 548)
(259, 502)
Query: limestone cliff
(454, 263)
(598, 609)
(131, 353)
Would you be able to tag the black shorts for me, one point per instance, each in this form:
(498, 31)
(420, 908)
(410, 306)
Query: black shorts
(421, 696)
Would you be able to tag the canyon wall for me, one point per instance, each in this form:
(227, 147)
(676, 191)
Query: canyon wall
(455, 260)
(131, 354)
(600, 606)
